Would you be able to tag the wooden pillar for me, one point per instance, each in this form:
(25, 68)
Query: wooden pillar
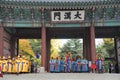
(48, 52)
(86, 44)
(12, 46)
(92, 44)
(44, 60)
(117, 49)
(1, 40)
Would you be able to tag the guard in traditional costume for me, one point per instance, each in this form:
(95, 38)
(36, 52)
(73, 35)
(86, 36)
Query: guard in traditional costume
(52, 64)
(18, 64)
(4, 64)
(61, 65)
(93, 67)
(1, 75)
(14, 65)
(23, 64)
(9, 65)
(1, 62)
(99, 64)
(73, 65)
(26, 69)
(84, 64)
(57, 65)
(78, 64)
(69, 65)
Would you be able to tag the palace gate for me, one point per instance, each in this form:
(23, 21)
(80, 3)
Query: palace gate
(48, 19)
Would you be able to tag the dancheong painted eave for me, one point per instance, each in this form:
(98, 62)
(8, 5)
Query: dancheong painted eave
(59, 4)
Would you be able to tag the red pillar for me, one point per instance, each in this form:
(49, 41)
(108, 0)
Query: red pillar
(1, 40)
(92, 44)
(43, 36)
(48, 52)
(12, 46)
(86, 44)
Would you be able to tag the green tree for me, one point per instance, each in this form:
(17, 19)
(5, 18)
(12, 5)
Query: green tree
(109, 46)
(74, 46)
(36, 45)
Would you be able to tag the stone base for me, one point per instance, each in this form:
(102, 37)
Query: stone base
(42, 69)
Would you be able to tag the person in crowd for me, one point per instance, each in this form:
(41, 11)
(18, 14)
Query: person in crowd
(67, 56)
(13, 65)
(52, 64)
(9, 68)
(84, 64)
(93, 67)
(23, 64)
(69, 65)
(79, 64)
(89, 66)
(73, 65)
(1, 62)
(65, 66)
(1, 75)
(37, 55)
(57, 65)
(99, 64)
(111, 68)
(18, 64)
(4, 65)
(61, 65)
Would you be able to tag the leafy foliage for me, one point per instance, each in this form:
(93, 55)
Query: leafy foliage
(25, 47)
(73, 46)
(36, 45)
(54, 48)
(109, 46)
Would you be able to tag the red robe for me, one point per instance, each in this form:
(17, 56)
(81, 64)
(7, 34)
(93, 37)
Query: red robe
(1, 75)
(93, 66)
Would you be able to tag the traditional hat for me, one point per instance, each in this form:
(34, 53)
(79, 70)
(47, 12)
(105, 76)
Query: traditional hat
(9, 57)
(18, 56)
(4, 57)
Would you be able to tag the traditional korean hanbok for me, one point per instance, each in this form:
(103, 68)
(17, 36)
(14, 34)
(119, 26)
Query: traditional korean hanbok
(69, 65)
(18, 67)
(78, 65)
(52, 65)
(9, 66)
(4, 65)
(99, 64)
(61, 65)
(84, 65)
(57, 65)
(73, 66)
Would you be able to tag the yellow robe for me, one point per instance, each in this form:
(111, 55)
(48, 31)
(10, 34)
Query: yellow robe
(1, 63)
(17, 65)
(26, 66)
(23, 65)
(4, 66)
(9, 66)
(14, 66)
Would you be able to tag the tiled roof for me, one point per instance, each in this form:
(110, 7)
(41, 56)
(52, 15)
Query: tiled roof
(60, 4)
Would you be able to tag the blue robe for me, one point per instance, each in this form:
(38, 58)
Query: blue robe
(78, 65)
(68, 65)
(61, 65)
(73, 66)
(52, 65)
(57, 66)
(99, 64)
(84, 65)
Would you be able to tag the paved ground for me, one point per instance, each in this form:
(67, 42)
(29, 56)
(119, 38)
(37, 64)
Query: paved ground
(62, 76)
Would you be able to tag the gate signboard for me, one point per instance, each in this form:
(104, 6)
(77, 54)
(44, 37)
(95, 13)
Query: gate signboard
(67, 16)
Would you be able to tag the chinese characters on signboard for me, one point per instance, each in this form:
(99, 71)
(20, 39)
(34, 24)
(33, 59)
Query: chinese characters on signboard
(67, 15)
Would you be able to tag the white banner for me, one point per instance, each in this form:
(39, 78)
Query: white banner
(60, 16)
